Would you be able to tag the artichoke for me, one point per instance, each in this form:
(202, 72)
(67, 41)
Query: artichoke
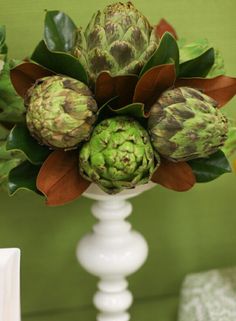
(119, 155)
(185, 124)
(60, 111)
(119, 40)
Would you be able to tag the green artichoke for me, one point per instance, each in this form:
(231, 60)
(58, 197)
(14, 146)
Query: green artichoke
(60, 112)
(119, 155)
(119, 40)
(185, 124)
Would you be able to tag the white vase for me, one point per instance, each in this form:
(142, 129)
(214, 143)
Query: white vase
(112, 251)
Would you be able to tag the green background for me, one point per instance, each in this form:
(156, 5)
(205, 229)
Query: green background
(186, 232)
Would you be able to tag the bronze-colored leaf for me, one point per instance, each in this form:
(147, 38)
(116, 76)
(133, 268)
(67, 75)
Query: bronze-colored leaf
(176, 176)
(153, 83)
(59, 179)
(164, 26)
(221, 88)
(108, 87)
(24, 76)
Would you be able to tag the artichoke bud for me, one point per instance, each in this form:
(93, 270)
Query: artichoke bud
(185, 124)
(61, 112)
(119, 155)
(119, 40)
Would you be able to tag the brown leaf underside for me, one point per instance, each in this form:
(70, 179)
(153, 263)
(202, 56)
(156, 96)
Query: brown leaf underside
(24, 76)
(164, 26)
(153, 83)
(221, 88)
(176, 176)
(59, 179)
(108, 87)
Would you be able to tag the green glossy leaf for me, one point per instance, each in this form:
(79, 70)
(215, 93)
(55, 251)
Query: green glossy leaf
(190, 51)
(218, 69)
(208, 169)
(8, 160)
(168, 51)
(23, 177)
(2, 36)
(229, 147)
(11, 105)
(59, 62)
(20, 139)
(198, 67)
(59, 31)
(136, 110)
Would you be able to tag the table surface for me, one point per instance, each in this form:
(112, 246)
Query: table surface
(152, 309)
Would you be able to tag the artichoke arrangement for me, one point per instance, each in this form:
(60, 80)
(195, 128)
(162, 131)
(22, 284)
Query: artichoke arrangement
(119, 104)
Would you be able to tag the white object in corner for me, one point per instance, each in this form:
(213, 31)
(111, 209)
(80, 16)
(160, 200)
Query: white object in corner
(10, 285)
(112, 251)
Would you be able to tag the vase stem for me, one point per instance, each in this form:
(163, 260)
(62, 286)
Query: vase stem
(112, 252)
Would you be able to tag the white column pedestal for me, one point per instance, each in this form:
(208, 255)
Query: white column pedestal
(112, 252)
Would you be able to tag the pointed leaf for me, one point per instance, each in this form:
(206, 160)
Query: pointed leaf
(59, 31)
(20, 139)
(208, 169)
(135, 110)
(167, 52)
(12, 107)
(176, 176)
(108, 87)
(60, 62)
(23, 177)
(164, 26)
(59, 179)
(153, 83)
(24, 76)
(2, 37)
(198, 67)
(221, 88)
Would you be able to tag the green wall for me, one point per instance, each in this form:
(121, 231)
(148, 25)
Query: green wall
(186, 231)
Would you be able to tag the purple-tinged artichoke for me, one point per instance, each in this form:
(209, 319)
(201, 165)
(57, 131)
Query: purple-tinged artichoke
(185, 124)
(119, 40)
(61, 112)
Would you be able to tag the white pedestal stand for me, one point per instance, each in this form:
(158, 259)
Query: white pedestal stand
(112, 251)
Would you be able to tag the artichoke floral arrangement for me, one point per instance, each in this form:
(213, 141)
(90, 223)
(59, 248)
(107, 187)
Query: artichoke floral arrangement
(118, 104)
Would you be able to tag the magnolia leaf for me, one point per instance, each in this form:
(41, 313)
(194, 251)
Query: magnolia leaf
(229, 147)
(59, 179)
(20, 139)
(59, 31)
(121, 87)
(176, 176)
(190, 51)
(135, 110)
(199, 66)
(208, 169)
(3, 47)
(164, 26)
(167, 52)
(60, 62)
(221, 88)
(24, 76)
(153, 83)
(12, 108)
(23, 177)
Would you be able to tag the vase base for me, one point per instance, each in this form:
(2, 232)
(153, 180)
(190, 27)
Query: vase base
(111, 317)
